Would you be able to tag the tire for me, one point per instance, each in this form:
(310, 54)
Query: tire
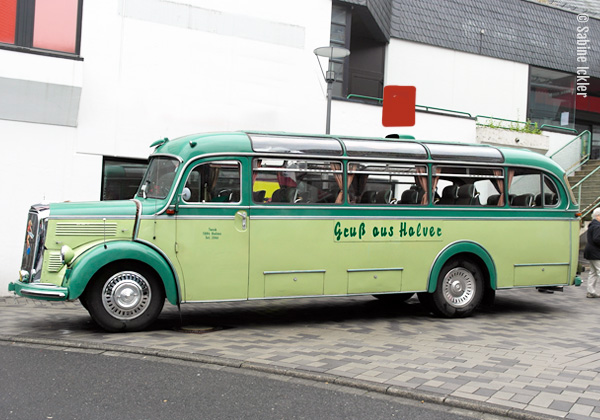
(125, 298)
(426, 300)
(394, 297)
(83, 302)
(459, 289)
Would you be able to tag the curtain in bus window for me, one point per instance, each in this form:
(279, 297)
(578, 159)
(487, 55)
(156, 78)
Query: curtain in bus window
(339, 179)
(352, 167)
(435, 179)
(421, 180)
(499, 184)
(55, 25)
(509, 179)
(211, 175)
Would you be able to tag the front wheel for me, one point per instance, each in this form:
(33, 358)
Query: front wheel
(125, 299)
(459, 290)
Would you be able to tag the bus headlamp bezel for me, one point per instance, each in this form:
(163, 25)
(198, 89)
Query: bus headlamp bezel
(66, 254)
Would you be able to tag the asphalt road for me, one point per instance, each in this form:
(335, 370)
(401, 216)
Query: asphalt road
(46, 383)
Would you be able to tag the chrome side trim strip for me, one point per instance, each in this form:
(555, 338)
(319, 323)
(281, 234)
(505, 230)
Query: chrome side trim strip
(362, 270)
(180, 218)
(540, 264)
(294, 272)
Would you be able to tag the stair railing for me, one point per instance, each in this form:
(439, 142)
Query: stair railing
(584, 141)
(579, 186)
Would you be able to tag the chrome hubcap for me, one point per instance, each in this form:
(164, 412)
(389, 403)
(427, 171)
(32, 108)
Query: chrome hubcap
(459, 287)
(126, 295)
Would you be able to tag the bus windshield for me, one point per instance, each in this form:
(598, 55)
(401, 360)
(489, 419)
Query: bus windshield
(158, 178)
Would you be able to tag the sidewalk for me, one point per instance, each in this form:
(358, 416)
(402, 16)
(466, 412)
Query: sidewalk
(534, 356)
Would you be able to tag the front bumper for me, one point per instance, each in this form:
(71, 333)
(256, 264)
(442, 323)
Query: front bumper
(43, 291)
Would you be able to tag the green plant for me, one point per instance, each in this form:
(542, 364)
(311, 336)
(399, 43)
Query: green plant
(518, 126)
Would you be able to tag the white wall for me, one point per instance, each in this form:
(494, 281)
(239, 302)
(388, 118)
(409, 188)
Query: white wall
(156, 69)
(460, 81)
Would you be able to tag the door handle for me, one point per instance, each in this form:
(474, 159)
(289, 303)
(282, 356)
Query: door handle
(244, 218)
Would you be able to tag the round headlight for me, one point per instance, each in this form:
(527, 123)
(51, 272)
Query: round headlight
(66, 254)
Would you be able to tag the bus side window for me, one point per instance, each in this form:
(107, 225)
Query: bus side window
(530, 188)
(468, 186)
(296, 181)
(216, 182)
(381, 183)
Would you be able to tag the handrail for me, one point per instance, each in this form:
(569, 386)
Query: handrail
(371, 98)
(556, 127)
(571, 141)
(427, 107)
(586, 151)
(579, 185)
(590, 208)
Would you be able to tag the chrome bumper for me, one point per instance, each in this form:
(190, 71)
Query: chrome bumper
(44, 291)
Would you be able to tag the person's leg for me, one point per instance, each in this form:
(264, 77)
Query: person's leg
(592, 282)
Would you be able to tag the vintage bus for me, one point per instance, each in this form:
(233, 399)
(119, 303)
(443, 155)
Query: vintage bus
(252, 215)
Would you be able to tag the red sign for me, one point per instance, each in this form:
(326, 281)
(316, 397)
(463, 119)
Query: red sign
(399, 106)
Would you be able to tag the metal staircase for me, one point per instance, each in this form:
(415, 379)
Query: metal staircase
(585, 183)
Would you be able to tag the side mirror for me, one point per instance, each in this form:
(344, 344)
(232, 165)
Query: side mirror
(186, 194)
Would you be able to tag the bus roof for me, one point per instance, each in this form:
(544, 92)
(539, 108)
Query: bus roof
(247, 142)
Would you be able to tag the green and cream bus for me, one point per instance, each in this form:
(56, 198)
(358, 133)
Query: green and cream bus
(249, 215)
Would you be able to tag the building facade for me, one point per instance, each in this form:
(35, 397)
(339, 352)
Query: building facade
(86, 86)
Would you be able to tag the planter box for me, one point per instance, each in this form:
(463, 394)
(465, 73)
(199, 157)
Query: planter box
(503, 137)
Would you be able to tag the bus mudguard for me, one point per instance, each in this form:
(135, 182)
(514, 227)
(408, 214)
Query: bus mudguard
(88, 264)
(465, 248)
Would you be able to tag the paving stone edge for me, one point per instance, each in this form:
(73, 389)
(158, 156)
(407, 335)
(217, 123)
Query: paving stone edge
(392, 390)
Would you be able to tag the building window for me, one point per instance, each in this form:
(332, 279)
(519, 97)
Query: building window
(41, 25)
(121, 178)
(551, 97)
(361, 73)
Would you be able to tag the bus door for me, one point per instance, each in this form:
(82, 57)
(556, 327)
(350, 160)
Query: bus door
(212, 232)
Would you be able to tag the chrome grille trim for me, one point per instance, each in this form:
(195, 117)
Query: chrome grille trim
(35, 236)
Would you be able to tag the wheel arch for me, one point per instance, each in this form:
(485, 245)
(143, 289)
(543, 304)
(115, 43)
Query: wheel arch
(463, 249)
(88, 264)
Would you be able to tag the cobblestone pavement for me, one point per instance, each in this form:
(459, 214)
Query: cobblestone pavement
(534, 355)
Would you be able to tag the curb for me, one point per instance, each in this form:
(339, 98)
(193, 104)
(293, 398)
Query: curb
(391, 390)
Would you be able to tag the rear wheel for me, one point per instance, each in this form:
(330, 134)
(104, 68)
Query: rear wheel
(459, 290)
(123, 298)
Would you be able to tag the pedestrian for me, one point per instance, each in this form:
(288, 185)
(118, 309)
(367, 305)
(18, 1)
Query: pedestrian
(592, 254)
